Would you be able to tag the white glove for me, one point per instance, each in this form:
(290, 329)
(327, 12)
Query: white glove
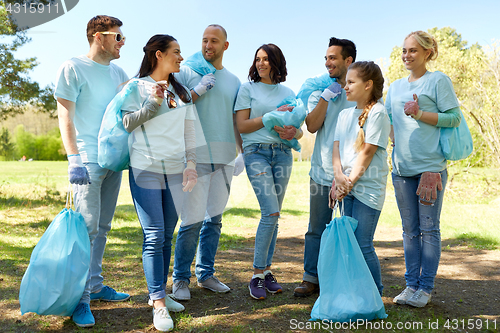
(207, 82)
(239, 165)
(332, 92)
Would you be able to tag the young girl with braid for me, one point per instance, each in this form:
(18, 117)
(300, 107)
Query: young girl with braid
(360, 157)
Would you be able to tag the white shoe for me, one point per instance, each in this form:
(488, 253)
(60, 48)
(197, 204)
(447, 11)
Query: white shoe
(180, 291)
(171, 304)
(419, 299)
(162, 320)
(404, 296)
(213, 284)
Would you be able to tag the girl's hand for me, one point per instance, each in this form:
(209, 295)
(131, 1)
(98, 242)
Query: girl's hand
(286, 132)
(285, 107)
(343, 186)
(189, 177)
(412, 109)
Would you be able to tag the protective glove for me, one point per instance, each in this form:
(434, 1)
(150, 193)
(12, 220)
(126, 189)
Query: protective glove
(332, 92)
(286, 132)
(285, 107)
(78, 173)
(158, 91)
(412, 109)
(430, 183)
(239, 165)
(207, 82)
(189, 177)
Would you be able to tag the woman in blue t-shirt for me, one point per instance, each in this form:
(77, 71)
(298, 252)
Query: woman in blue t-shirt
(268, 161)
(419, 105)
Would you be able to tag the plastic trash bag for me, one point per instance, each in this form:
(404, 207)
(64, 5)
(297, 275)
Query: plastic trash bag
(456, 142)
(320, 82)
(199, 65)
(347, 289)
(55, 279)
(291, 118)
(113, 151)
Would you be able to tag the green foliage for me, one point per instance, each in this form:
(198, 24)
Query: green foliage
(16, 88)
(6, 145)
(39, 147)
(475, 74)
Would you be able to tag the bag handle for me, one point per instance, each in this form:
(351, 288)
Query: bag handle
(337, 206)
(69, 197)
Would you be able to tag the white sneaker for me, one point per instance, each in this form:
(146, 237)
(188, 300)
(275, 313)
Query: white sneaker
(213, 284)
(419, 299)
(180, 290)
(171, 304)
(404, 296)
(162, 320)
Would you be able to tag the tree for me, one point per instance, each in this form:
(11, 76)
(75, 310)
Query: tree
(476, 78)
(6, 145)
(16, 88)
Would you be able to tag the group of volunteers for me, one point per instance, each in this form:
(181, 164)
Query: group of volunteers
(191, 131)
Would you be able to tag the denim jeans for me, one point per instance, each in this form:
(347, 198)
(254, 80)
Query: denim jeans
(157, 198)
(421, 233)
(96, 202)
(367, 223)
(319, 216)
(201, 219)
(268, 168)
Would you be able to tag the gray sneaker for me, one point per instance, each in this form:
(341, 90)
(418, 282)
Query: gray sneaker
(419, 299)
(180, 290)
(404, 296)
(213, 284)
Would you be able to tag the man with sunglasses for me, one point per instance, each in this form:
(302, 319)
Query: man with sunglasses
(214, 96)
(85, 86)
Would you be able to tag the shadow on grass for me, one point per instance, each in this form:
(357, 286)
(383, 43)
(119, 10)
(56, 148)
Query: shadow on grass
(22, 202)
(255, 213)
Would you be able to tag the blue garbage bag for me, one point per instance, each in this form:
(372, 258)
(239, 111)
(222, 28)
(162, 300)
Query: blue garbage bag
(55, 279)
(347, 289)
(456, 142)
(199, 65)
(280, 118)
(320, 82)
(112, 150)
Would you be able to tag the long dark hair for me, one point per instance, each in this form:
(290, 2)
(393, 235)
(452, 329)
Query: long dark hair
(149, 62)
(276, 60)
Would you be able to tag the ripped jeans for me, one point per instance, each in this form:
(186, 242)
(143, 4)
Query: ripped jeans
(268, 168)
(421, 234)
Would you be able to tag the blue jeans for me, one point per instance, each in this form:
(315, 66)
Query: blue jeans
(367, 223)
(268, 167)
(96, 202)
(155, 199)
(421, 234)
(319, 216)
(201, 219)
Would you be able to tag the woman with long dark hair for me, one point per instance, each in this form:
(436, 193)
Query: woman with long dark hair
(160, 117)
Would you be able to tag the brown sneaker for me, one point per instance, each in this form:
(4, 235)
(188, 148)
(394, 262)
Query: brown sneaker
(306, 289)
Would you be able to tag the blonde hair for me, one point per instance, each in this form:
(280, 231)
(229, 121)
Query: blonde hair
(427, 42)
(367, 70)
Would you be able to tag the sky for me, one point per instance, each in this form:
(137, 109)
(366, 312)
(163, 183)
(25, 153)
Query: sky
(301, 29)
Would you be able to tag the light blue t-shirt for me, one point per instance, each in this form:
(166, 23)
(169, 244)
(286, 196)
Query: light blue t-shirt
(417, 148)
(91, 86)
(321, 160)
(159, 145)
(260, 98)
(215, 111)
(370, 188)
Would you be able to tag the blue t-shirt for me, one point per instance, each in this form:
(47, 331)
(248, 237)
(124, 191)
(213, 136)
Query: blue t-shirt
(260, 98)
(321, 160)
(417, 148)
(91, 86)
(370, 188)
(215, 111)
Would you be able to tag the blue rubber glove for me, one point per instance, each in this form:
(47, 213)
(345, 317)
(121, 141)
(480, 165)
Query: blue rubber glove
(78, 173)
(332, 92)
(207, 82)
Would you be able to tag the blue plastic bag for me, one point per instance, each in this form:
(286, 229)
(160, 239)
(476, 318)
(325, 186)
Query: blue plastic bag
(55, 279)
(280, 118)
(112, 150)
(456, 142)
(320, 82)
(199, 65)
(347, 289)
